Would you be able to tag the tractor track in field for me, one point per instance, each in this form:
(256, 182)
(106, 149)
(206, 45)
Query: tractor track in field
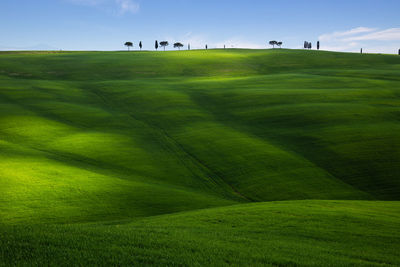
(203, 165)
(173, 145)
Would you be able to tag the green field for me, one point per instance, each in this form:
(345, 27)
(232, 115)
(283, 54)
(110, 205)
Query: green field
(218, 157)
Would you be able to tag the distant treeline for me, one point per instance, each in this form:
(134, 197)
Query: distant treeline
(179, 45)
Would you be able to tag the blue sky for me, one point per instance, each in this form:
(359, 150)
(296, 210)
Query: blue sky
(106, 24)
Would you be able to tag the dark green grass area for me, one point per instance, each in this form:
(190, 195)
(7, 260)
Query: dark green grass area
(306, 233)
(95, 137)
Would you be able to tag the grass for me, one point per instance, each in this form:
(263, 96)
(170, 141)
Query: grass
(287, 233)
(105, 156)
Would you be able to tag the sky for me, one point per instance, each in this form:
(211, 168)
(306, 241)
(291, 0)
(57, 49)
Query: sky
(339, 25)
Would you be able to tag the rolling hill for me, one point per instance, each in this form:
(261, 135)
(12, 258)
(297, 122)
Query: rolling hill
(136, 158)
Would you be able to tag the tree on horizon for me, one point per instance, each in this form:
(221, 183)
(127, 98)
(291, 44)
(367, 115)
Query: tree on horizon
(164, 44)
(178, 45)
(140, 45)
(273, 43)
(279, 44)
(129, 45)
(156, 45)
(318, 45)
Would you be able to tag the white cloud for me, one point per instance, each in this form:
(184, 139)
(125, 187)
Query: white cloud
(392, 34)
(349, 47)
(372, 40)
(127, 6)
(121, 7)
(335, 35)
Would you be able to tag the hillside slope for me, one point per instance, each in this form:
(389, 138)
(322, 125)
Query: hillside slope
(286, 233)
(88, 136)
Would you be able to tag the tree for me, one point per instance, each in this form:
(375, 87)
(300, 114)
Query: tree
(318, 45)
(178, 45)
(129, 45)
(305, 44)
(206, 47)
(399, 52)
(188, 46)
(309, 45)
(140, 45)
(273, 43)
(164, 44)
(279, 44)
(156, 45)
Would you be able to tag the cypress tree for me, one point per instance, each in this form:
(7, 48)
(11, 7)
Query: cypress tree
(156, 45)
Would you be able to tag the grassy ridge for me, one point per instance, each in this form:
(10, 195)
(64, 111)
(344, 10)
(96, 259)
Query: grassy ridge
(237, 125)
(305, 233)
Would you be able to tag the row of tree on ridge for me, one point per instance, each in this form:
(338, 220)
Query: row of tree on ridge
(157, 44)
(164, 44)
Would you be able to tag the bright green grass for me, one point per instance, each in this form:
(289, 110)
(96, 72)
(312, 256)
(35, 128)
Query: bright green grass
(307, 233)
(94, 137)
